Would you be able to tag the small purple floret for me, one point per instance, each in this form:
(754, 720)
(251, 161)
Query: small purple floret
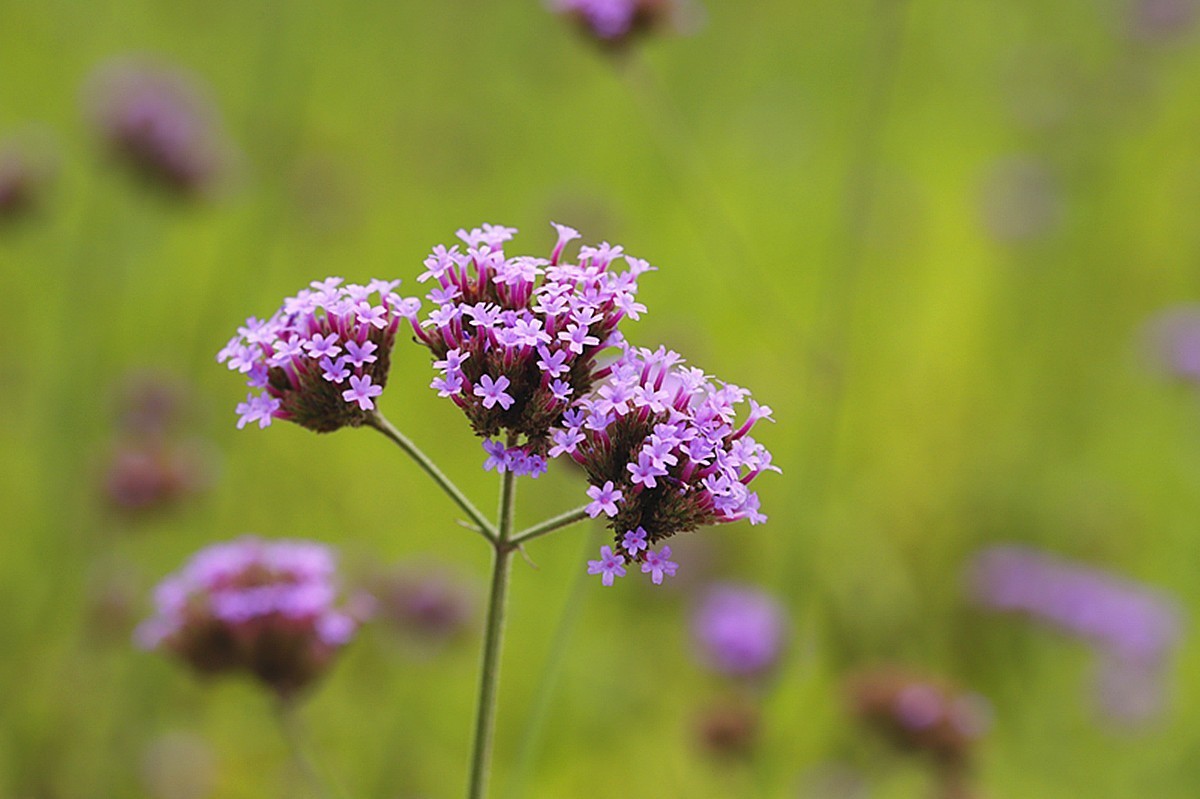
(609, 566)
(658, 564)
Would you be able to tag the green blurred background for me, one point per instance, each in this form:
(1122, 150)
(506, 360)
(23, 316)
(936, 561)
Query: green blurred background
(927, 234)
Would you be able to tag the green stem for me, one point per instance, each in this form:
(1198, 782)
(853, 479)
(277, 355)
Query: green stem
(489, 673)
(293, 734)
(482, 525)
(550, 525)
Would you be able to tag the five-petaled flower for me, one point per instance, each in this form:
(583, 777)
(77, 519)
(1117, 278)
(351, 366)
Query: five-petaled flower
(656, 564)
(361, 391)
(609, 566)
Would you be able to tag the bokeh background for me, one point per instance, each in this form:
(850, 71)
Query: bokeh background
(931, 236)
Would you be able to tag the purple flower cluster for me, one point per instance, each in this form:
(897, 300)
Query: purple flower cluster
(515, 340)
(613, 22)
(160, 122)
(739, 630)
(665, 453)
(267, 608)
(1122, 617)
(322, 359)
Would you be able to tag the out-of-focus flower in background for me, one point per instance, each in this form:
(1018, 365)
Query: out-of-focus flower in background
(26, 168)
(1172, 341)
(1133, 627)
(160, 121)
(922, 714)
(1020, 200)
(1122, 617)
(267, 608)
(428, 605)
(614, 23)
(154, 475)
(1158, 20)
(739, 631)
(151, 465)
(729, 729)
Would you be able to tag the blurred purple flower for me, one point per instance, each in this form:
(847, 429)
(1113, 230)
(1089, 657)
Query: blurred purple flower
(152, 475)
(287, 358)
(1153, 20)
(149, 406)
(662, 445)
(1021, 200)
(263, 607)
(1173, 338)
(921, 713)
(1135, 628)
(516, 339)
(739, 630)
(159, 121)
(614, 23)
(1129, 690)
(1122, 617)
(428, 604)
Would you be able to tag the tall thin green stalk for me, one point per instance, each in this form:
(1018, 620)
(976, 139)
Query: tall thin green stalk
(489, 673)
(504, 543)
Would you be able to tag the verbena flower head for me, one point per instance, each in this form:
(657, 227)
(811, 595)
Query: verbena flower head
(160, 122)
(322, 359)
(1123, 618)
(263, 607)
(739, 630)
(921, 713)
(665, 452)
(516, 339)
(614, 22)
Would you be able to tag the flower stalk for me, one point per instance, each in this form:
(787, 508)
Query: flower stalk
(549, 526)
(489, 672)
(482, 525)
